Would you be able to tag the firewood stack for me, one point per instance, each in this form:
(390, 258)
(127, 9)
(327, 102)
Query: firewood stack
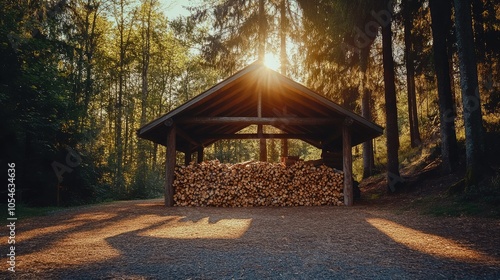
(212, 183)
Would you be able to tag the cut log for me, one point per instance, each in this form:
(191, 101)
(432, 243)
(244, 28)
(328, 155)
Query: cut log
(255, 183)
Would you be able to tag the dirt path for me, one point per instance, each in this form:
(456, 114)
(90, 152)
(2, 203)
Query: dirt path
(144, 240)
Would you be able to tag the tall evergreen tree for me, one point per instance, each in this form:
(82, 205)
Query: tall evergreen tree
(346, 42)
(408, 10)
(124, 22)
(473, 122)
(441, 25)
(391, 109)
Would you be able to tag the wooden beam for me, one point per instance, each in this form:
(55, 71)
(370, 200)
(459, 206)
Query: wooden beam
(199, 155)
(317, 98)
(260, 121)
(224, 85)
(264, 135)
(222, 103)
(170, 166)
(347, 164)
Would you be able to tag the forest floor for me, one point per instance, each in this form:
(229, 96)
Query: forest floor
(426, 190)
(145, 240)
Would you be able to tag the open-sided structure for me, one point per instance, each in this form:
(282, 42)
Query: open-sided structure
(257, 95)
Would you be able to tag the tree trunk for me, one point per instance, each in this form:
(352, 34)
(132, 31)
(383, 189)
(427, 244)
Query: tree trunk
(119, 116)
(410, 80)
(146, 50)
(391, 110)
(368, 158)
(90, 47)
(473, 122)
(123, 44)
(441, 24)
(482, 17)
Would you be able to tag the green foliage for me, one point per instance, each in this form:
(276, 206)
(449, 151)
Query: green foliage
(35, 108)
(71, 76)
(84, 184)
(147, 185)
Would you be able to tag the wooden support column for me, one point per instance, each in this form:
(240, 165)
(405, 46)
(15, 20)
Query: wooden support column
(347, 162)
(262, 144)
(284, 148)
(200, 154)
(260, 130)
(170, 166)
(284, 142)
(187, 157)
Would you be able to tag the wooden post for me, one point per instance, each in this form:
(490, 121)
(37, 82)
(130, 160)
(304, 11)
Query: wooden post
(347, 162)
(260, 130)
(200, 154)
(284, 148)
(262, 144)
(170, 166)
(187, 157)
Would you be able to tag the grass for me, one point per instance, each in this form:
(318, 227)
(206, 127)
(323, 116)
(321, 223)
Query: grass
(444, 206)
(483, 201)
(23, 211)
(456, 207)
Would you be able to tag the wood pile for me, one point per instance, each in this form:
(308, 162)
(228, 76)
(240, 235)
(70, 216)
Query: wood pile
(212, 183)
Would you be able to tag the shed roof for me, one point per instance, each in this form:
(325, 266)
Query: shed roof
(259, 95)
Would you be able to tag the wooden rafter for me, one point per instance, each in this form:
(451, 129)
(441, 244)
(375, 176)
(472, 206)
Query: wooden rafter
(260, 121)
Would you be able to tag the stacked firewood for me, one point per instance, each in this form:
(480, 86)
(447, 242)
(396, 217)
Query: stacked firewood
(212, 183)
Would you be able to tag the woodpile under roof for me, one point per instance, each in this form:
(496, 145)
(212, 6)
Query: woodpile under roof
(259, 96)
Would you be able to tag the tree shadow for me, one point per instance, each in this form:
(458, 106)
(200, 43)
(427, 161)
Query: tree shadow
(297, 242)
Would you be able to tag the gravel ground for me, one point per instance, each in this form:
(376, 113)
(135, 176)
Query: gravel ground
(144, 240)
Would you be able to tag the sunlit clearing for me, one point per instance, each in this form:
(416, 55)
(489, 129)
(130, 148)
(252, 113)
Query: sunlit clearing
(272, 61)
(76, 221)
(94, 216)
(72, 248)
(428, 243)
(57, 229)
(202, 229)
(149, 205)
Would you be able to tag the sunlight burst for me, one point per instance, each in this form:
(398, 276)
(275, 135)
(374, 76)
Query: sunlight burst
(272, 61)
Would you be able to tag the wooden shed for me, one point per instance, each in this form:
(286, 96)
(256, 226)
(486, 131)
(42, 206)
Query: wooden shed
(257, 95)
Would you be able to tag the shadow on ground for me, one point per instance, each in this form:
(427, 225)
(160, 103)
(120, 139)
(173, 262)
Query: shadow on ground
(144, 240)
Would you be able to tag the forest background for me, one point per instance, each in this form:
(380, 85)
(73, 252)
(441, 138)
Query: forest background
(79, 77)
